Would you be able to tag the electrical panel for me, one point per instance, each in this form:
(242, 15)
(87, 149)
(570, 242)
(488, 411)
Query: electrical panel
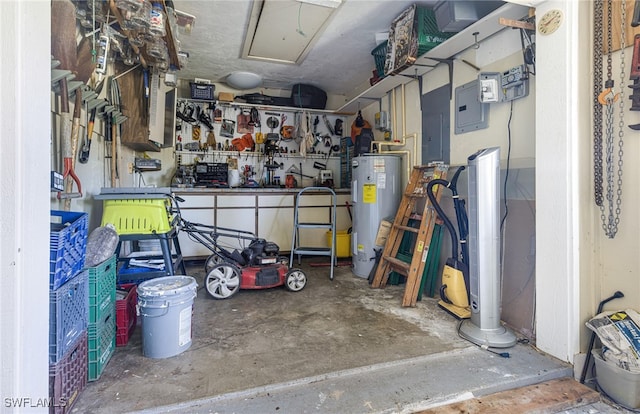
(471, 114)
(382, 121)
(503, 86)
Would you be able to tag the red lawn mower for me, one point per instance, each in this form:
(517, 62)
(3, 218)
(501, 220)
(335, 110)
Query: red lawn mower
(256, 266)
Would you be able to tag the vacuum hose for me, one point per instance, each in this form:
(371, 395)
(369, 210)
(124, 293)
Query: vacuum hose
(443, 216)
(461, 216)
(454, 261)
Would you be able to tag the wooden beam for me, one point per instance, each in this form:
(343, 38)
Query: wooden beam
(519, 24)
(547, 397)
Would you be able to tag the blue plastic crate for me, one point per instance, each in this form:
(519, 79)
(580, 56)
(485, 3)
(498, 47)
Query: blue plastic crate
(102, 289)
(68, 315)
(67, 246)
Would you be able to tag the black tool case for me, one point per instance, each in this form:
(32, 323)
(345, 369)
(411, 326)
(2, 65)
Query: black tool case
(308, 96)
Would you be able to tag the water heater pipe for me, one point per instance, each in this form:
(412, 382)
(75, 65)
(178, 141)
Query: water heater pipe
(405, 136)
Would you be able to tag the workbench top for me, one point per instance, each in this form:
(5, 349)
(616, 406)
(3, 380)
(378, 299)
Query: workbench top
(246, 190)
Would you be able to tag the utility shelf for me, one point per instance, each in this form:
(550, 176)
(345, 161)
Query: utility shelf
(479, 31)
(253, 154)
(263, 107)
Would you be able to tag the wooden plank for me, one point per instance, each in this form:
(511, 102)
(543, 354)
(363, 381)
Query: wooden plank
(616, 20)
(546, 397)
(398, 264)
(408, 228)
(517, 23)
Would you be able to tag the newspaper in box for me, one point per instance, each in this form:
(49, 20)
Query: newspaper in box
(619, 333)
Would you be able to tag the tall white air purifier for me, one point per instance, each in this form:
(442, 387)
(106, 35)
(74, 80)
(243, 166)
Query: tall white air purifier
(484, 327)
(375, 193)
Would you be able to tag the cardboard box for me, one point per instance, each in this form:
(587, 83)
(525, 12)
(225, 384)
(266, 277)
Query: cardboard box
(383, 232)
(225, 96)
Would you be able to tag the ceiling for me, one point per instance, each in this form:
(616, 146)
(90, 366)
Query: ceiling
(339, 61)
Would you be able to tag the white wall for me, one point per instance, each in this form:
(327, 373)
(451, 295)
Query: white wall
(24, 207)
(608, 264)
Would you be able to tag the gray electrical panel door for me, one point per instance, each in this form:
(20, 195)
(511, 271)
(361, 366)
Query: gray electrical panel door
(436, 123)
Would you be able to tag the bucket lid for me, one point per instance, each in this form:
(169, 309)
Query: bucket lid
(167, 286)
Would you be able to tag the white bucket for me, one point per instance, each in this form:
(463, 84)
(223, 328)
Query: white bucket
(166, 307)
(234, 179)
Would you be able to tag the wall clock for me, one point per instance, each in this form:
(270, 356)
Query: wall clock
(550, 22)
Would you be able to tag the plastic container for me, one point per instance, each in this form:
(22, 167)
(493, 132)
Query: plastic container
(621, 385)
(343, 243)
(67, 246)
(157, 20)
(126, 317)
(202, 91)
(413, 33)
(129, 5)
(101, 345)
(429, 36)
(68, 315)
(380, 55)
(102, 289)
(166, 308)
(137, 216)
(68, 377)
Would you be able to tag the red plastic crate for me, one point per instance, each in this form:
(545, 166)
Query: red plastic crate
(126, 315)
(68, 377)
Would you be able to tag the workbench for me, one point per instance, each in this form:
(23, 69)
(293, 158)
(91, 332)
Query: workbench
(266, 212)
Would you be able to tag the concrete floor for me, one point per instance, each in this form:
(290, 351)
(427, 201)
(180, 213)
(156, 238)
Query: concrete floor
(337, 346)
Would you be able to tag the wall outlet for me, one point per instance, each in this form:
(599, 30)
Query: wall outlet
(130, 168)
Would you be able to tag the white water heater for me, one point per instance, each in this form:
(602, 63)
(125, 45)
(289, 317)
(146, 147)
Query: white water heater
(485, 293)
(375, 193)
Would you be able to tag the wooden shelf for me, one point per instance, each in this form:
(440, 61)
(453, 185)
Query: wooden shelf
(485, 28)
(253, 154)
(263, 107)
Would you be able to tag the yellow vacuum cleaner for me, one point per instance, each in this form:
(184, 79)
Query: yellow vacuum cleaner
(454, 290)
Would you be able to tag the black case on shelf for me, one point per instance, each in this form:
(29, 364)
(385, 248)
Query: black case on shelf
(308, 96)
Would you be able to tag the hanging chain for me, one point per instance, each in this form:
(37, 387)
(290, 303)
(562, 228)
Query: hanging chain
(621, 125)
(598, 31)
(607, 97)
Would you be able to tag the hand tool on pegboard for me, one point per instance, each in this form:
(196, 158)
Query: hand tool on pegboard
(69, 143)
(93, 106)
